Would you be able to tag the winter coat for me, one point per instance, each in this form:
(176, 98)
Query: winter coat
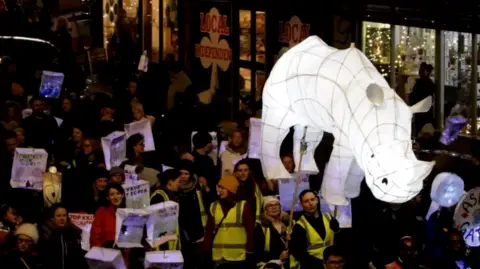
(63, 249)
(103, 227)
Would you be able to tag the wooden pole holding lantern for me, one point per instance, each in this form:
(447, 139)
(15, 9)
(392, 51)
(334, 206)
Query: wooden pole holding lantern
(303, 151)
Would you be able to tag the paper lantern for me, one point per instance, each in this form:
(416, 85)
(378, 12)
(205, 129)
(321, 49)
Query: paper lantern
(164, 259)
(447, 188)
(28, 168)
(467, 217)
(162, 224)
(51, 85)
(341, 92)
(143, 127)
(52, 187)
(105, 258)
(114, 149)
(137, 193)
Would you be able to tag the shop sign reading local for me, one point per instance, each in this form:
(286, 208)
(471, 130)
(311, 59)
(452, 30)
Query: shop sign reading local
(293, 32)
(467, 217)
(212, 50)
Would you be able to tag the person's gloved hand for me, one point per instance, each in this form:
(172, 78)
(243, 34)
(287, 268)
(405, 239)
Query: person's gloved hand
(335, 225)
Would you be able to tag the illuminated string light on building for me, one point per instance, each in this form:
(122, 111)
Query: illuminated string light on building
(378, 46)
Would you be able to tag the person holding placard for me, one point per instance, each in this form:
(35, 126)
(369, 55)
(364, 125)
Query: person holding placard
(169, 188)
(311, 234)
(230, 229)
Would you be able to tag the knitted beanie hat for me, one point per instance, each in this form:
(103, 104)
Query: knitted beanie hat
(230, 183)
(29, 230)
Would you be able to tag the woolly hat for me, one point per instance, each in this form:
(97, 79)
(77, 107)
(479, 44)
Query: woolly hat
(269, 199)
(117, 170)
(230, 183)
(186, 165)
(29, 230)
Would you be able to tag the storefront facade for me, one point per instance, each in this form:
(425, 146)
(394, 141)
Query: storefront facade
(155, 23)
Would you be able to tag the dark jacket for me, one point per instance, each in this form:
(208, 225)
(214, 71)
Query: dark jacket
(190, 219)
(205, 167)
(13, 260)
(299, 243)
(63, 249)
(40, 132)
(277, 242)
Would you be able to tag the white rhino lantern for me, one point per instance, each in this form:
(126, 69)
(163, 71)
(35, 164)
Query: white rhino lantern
(341, 92)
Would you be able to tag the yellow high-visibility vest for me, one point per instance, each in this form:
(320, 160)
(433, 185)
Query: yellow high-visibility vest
(266, 247)
(258, 202)
(231, 238)
(316, 245)
(172, 244)
(203, 214)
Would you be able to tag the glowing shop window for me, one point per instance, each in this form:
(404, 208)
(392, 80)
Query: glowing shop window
(170, 28)
(156, 30)
(110, 12)
(376, 45)
(245, 18)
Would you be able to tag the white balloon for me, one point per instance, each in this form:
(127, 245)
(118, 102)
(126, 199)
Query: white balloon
(447, 188)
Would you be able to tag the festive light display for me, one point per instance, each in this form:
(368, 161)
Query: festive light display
(447, 189)
(378, 45)
(341, 92)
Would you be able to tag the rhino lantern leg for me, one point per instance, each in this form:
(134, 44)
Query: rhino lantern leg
(274, 130)
(313, 138)
(354, 180)
(335, 176)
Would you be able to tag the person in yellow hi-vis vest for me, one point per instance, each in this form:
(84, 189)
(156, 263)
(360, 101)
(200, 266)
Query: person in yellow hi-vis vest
(230, 229)
(249, 190)
(311, 234)
(270, 233)
(168, 191)
(193, 201)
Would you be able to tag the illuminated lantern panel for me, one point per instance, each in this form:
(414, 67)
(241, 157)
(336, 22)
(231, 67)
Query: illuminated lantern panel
(341, 92)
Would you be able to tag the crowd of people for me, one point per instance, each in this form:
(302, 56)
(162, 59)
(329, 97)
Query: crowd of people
(230, 215)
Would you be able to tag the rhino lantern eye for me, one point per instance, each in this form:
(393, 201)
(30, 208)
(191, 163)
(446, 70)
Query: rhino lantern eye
(385, 181)
(373, 155)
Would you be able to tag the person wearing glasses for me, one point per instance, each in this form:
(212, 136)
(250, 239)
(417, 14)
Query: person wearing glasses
(23, 255)
(333, 257)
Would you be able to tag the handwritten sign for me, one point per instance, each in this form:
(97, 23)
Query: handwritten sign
(467, 217)
(28, 168)
(130, 224)
(162, 223)
(130, 173)
(84, 222)
(286, 189)
(143, 127)
(137, 194)
(254, 139)
(114, 149)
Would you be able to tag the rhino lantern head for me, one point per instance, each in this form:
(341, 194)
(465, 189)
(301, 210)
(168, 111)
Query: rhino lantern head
(392, 171)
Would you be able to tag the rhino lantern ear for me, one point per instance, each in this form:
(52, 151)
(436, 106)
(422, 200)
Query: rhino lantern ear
(375, 94)
(422, 106)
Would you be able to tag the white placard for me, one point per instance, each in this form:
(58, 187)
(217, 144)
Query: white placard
(105, 258)
(162, 223)
(214, 154)
(51, 84)
(164, 259)
(130, 224)
(467, 216)
(59, 121)
(137, 194)
(28, 168)
(130, 173)
(286, 188)
(222, 148)
(83, 222)
(143, 127)
(114, 148)
(254, 139)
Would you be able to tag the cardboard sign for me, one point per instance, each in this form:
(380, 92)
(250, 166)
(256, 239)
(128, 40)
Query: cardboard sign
(105, 258)
(137, 194)
(467, 217)
(84, 222)
(254, 139)
(28, 168)
(130, 173)
(143, 127)
(164, 260)
(114, 149)
(51, 85)
(162, 224)
(130, 224)
(286, 189)
(214, 153)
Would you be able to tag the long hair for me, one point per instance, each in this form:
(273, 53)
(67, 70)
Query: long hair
(132, 141)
